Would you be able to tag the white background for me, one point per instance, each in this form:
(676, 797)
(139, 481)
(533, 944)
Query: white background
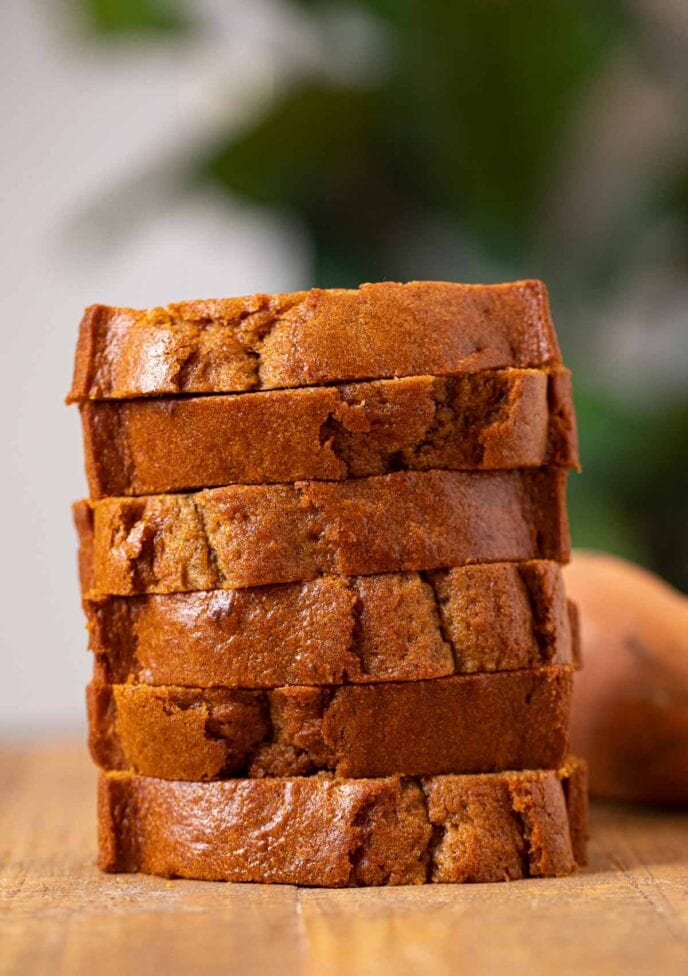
(84, 130)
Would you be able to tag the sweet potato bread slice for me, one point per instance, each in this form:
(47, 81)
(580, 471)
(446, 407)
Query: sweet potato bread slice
(464, 724)
(339, 630)
(489, 420)
(339, 833)
(265, 342)
(250, 535)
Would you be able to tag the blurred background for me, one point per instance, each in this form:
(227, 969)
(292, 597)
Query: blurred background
(158, 150)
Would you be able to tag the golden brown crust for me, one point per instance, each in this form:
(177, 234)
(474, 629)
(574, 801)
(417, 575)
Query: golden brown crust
(462, 724)
(340, 833)
(338, 630)
(251, 535)
(366, 586)
(492, 420)
(312, 338)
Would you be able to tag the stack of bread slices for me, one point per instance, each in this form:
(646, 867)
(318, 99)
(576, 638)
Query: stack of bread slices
(320, 566)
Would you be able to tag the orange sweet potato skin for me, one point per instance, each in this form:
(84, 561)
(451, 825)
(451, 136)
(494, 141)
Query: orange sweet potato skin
(630, 703)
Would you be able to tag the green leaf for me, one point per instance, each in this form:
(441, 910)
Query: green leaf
(314, 144)
(126, 17)
(316, 154)
(467, 119)
(632, 496)
(484, 92)
(599, 520)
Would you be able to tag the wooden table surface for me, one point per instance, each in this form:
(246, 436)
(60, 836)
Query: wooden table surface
(626, 914)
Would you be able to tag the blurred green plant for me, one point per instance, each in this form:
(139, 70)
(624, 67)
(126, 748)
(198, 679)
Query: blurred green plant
(126, 17)
(632, 498)
(439, 163)
(465, 120)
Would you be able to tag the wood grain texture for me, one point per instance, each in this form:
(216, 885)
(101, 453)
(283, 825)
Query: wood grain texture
(627, 914)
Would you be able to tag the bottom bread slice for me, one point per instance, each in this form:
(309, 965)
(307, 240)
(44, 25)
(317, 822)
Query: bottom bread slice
(330, 832)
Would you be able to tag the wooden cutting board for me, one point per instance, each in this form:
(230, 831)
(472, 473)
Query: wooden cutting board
(626, 914)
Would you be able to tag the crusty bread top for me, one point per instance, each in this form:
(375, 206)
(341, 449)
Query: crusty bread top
(312, 338)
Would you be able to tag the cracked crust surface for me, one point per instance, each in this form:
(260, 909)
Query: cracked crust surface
(339, 630)
(489, 420)
(340, 833)
(463, 724)
(251, 535)
(264, 342)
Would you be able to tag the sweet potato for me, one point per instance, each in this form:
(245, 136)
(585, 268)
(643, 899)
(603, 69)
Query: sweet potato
(630, 703)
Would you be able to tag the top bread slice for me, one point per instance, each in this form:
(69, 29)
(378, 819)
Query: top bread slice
(264, 342)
